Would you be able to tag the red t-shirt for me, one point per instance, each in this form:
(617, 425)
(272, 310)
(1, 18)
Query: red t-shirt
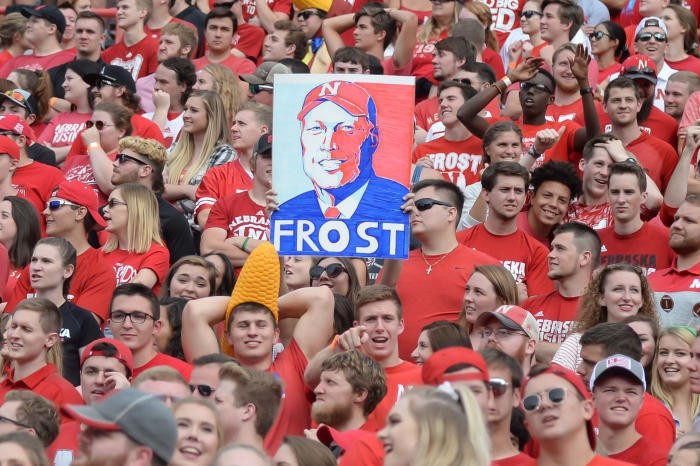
(657, 158)
(45, 382)
(506, 17)
(155, 33)
(434, 296)
(222, 180)
(654, 420)
(35, 182)
(34, 62)
(250, 10)
(520, 459)
(63, 129)
(554, 313)
(161, 359)
(493, 59)
(5, 56)
(647, 247)
(523, 256)
(427, 112)
(644, 452)
(366, 450)
(559, 113)
(78, 167)
(239, 216)
(91, 287)
(128, 264)
(295, 411)
(689, 63)
(524, 224)
(4, 269)
(423, 58)
(595, 216)
(399, 378)
(249, 39)
(596, 461)
(141, 59)
(237, 64)
(142, 127)
(604, 73)
(457, 161)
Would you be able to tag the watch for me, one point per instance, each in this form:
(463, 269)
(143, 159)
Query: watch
(632, 160)
(588, 90)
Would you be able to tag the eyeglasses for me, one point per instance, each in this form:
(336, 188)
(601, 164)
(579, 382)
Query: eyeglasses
(55, 205)
(597, 35)
(332, 270)
(257, 88)
(527, 14)
(204, 390)
(113, 202)
(499, 333)
(137, 317)
(532, 402)
(635, 70)
(122, 158)
(100, 125)
(540, 87)
(12, 421)
(426, 203)
(646, 36)
(498, 386)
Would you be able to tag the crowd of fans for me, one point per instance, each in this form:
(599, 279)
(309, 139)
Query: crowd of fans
(547, 312)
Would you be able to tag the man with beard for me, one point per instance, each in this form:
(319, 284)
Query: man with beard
(622, 102)
(351, 385)
(679, 88)
(128, 427)
(510, 329)
(575, 254)
(676, 288)
(248, 402)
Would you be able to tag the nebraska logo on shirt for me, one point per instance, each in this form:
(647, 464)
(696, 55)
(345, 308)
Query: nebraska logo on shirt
(517, 269)
(133, 66)
(82, 173)
(554, 331)
(696, 283)
(20, 189)
(502, 13)
(608, 128)
(644, 261)
(125, 273)
(66, 132)
(252, 226)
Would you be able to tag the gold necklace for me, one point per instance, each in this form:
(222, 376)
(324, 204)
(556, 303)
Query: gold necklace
(430, 266)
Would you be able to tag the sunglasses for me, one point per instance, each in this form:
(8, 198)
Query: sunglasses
(18, 96)
(532, 402)
(100, 125)
(498, 386)
(597, 35)
(540, 87)
(306, 14)
(113, 202)
(637, 70)
(257, 88)
(527, 14)
(646, 36)
(426, 203)
(204, 390)
(466, 81)
(55, 205)
(332, 270)
(137, 317)
(122, 159)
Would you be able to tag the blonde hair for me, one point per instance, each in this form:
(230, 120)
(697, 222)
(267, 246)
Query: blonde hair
(182, 158)
(191, 400)
(503, 284)
(226, 85)
(658, 387)
(447, 434)
(483, 14)
(150, 148)
(432, 30)
(143, 221)
(9, 26)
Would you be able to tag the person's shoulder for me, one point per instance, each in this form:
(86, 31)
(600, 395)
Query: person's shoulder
(474, 255)
(652, 406)
(602, 461)
(659, 144)
(539, 299)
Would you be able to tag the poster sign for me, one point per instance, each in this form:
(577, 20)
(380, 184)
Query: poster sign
(341, 164)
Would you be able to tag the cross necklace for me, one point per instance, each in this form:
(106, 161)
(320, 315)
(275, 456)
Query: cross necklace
(430, 266)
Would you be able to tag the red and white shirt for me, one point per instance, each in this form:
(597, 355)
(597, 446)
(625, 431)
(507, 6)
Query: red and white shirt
(239, 215)
(677, 295)
(63, 129)
(140, 59)
(457, 161)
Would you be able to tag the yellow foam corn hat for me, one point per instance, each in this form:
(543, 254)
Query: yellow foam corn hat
(258, 282)
(324, 5)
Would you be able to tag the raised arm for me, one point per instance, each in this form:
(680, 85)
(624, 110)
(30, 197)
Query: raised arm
(406, 41)
(198, 317)
(267, 17)
(315, 307)
(579, 67)
(332, 29)
(677, 188)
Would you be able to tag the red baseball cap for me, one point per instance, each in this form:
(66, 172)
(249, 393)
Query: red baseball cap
(81, 194)
(350, 96)
(123, 355)
(434, 368)
(9, 147)
(327, 435)
(575, 380)
(513, 317)
(639, 67)
(17, 125)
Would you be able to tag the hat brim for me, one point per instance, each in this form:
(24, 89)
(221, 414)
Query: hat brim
(328, 435)
(27, 12)
(508, 322)
(640, 76)
(617, 370)
(21, 104)
(90, 416)
(252, 79)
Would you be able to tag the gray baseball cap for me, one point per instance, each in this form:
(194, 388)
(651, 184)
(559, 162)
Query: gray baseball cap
(618, 364)
(141, 416)
(265, 73)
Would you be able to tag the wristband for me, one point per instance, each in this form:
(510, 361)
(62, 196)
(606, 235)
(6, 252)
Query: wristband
(52, 101)
(533, 152)
(588, 90)
(506, 80)
(334, 343)
(94, 145)
(245, 241)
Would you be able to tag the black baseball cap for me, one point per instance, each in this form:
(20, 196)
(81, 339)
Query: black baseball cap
(50, 13)
(22, 98)
(114, 76)
(264, 145)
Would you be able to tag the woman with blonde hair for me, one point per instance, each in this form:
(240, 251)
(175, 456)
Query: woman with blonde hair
(223, 81)
(198, 427)
(670, 381)
(435, 426)
(205, 143)
(12, 41)
(616, 292)
(134, 246)
(482, 13)
(488, 287)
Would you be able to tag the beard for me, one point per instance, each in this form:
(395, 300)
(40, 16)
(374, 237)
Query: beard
(643, 114)
(685, 246)
(334, 416)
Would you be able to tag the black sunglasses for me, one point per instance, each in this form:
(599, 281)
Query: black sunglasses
(635, 70)
(113, 202)
(532, 403)
(540, 87)
(527, 14)
(332, 270)
(498, 386)
(646, 36)
(597, 35)
(204, 390)
(466, 81)
(306, 14)
(256, 88)
(427, 203)
(99, 124)
(122, 158)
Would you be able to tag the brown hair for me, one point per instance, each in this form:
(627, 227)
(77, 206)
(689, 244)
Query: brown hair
(295, 36)
(11, 25)
(309, 452)
(160, 374)
(376, 293)
(38, 413)
(30, 445)
(189, 260)
(688, 22)
(50, 320)
(363, 373)
(445, 334)
(186, 34)
(483, 13)
(569, 13)
(38, 84)
(503, 284)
